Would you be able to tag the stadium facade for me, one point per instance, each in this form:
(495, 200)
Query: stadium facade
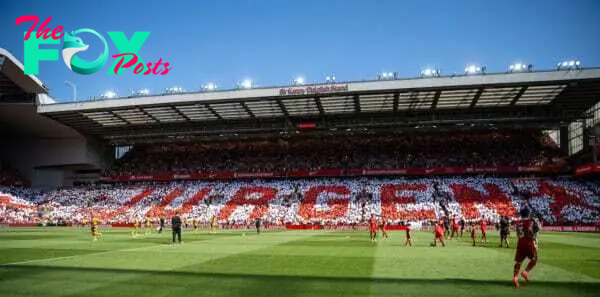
(53, 143)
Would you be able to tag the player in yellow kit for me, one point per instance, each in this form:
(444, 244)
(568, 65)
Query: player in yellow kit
(95, 229)
(195, 223)
(134, 232)
(148, 226)
(213, 224)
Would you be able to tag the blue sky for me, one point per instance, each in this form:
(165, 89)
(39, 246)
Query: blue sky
(273, 41)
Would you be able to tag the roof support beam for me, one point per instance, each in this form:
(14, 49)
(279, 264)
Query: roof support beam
(283, 109)
(319, 105)
(149, 115)
(414, 100)
(518, 96)
(79, 121)
(181, 114)
(213, 111)
(436, 99)
(356, 103)
(476, 98)
(119, 117)
(395, 103)
(247, 109)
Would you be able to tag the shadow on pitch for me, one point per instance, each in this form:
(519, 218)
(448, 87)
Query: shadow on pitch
(579, 286)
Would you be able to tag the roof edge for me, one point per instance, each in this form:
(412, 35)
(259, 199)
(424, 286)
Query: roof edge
(38, 86)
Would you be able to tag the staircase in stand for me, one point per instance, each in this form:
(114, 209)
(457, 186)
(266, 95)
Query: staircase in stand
(156, 210)
(189, 204)
(133, 201)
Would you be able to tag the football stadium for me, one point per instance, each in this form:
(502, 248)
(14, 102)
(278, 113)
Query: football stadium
(482, 182)
(278, 187)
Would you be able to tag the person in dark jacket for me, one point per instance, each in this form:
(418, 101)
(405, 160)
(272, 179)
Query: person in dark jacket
(162, 224)
(257, 223)
(176, 226)
(504, 231)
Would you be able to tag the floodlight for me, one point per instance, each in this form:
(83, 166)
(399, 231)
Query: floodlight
(330, 78)
(174, 90)
(209, 87)
(429, 72)
(298, 81)
(245, 84)
(109, 95)
(570, 64)
(386, 75)
(520, 67)
(474, 69)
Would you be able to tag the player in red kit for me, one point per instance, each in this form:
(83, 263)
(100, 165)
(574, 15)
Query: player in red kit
(454, 227)
(383, 228)
(473, 232)
(373, 228)
(526, 245)
(439, 234)
(483, 227)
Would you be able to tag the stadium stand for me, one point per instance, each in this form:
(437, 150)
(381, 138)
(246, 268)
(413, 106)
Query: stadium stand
(10, 177)
(330, 201)
(359, 151)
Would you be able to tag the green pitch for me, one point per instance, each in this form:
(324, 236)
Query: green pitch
(65, 262)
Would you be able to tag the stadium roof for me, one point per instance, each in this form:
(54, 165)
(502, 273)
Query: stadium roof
(539, 98)
(18, 95)
(14, 85)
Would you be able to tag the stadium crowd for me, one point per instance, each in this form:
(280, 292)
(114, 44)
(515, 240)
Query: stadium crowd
(390, 151)
(330, 201)
(9, 176)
